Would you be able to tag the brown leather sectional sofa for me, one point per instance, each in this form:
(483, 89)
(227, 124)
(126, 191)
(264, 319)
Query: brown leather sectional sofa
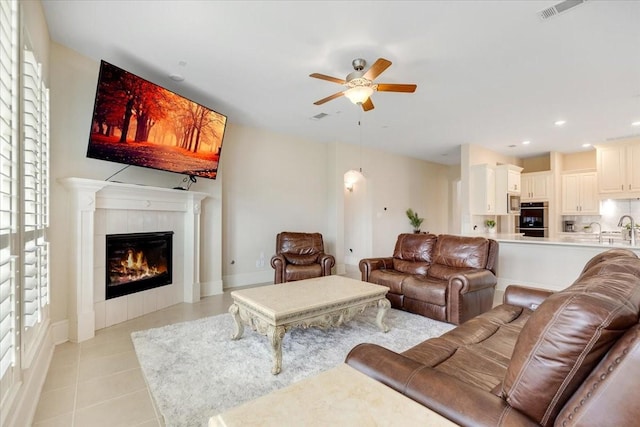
(570, 358)
(447, 278)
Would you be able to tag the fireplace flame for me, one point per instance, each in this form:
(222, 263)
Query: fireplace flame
(133, 267)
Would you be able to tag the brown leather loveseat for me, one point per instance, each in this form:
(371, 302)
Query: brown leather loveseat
(447, 278)
(570, 358)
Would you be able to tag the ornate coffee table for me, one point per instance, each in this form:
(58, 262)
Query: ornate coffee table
(323, 302)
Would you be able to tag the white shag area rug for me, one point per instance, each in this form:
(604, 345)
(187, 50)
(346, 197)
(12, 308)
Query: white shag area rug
(195, 371)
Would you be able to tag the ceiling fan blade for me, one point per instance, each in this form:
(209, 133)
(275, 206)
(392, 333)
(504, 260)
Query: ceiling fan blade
(377, 68)
(329, 98)
(327, 78)
(367, 105)
(393, 87)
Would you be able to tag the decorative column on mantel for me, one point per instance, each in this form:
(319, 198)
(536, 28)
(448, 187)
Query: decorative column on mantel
(87, 195)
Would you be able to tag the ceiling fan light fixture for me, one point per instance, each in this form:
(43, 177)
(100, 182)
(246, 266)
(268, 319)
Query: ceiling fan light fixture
(358, 94)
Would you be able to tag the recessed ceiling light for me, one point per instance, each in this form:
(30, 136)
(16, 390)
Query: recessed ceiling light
(636, 123)
(526, 142)
(560, 122)
(586, 145)
(176, 77)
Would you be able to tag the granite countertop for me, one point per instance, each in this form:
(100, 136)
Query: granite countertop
(609, 239)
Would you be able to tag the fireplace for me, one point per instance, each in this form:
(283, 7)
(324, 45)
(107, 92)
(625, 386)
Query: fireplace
(137, 262)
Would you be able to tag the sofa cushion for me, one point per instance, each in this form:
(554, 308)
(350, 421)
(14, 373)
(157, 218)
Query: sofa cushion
(301, 259)
(410, 267)
(423, 288)
(415, 247)
(566, 337)
(300, 272)
(603, 256)
(478, 351)
(443, 272)
(461, 252)
(389, 278)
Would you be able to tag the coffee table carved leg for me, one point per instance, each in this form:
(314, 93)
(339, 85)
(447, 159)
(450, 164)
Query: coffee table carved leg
(239, 328)
(275, 335)
(383, 306)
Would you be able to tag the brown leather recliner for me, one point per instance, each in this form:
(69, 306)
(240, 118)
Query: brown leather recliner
(300, 256)
(446, 277)
(570, 358)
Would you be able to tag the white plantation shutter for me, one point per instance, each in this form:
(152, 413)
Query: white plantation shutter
(7, 312)
(24, 204)
(35, 182)
(32, 125)
(9, 194)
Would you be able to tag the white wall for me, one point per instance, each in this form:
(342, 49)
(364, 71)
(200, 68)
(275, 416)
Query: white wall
(393, 182)
(272, 183)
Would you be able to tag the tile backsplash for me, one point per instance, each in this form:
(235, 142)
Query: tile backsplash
(610, 213)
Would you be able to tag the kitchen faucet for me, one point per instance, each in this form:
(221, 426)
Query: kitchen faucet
(599, 230)
(633, 228)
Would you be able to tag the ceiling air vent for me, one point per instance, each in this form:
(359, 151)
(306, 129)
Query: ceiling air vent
(618, 138)
(319, 116)
(559, 8)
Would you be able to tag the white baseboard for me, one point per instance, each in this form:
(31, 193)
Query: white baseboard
(211, 288)
(60, 332)
(244, 279)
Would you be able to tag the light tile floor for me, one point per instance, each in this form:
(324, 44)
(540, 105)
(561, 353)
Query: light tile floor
(99, 382)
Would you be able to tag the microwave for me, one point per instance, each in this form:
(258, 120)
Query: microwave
(513, 203)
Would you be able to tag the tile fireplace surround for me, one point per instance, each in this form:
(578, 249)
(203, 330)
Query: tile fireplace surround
(98, 208)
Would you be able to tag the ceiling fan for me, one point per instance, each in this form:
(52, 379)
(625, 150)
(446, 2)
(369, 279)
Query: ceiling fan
(359, 84)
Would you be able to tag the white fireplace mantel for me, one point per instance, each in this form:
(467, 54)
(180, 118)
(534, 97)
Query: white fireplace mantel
(117, 199)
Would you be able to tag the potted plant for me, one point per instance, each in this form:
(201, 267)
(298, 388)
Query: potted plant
(414, 220)
(491, 225)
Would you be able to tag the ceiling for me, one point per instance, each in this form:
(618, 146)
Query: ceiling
(490, 73)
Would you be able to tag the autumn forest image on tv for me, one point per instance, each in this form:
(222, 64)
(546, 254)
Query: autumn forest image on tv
(140, 123)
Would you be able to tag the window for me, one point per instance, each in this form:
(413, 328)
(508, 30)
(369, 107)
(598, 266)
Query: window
(35, 199)
(24, 198)
(8, 191)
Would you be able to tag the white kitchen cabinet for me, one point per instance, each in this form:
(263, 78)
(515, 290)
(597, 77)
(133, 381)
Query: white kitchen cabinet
(507, 183)
(580, 194)
(508, 179)
(482, 186)
(618, 169)
(535, 186)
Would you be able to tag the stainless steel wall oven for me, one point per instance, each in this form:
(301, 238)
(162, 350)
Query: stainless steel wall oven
(534, 219)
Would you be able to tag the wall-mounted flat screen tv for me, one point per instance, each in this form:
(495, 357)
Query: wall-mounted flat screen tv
(136, 122)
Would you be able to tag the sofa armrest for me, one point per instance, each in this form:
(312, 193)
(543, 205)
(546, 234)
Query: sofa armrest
(526, 297)
(458, 401)
(278, 262)
(472, 281)
(367, 265)
(327, 262)
(469, 294)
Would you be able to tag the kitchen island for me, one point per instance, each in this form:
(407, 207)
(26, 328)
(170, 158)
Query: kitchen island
(548, 262)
